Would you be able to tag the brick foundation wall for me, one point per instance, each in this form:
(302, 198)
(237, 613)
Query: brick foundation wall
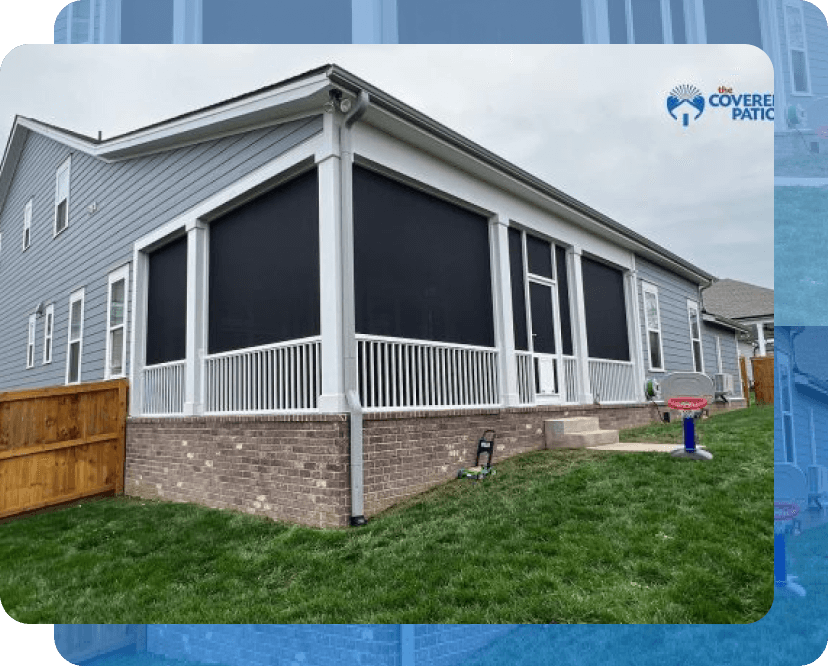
(449, 645)
(297, 468)
(277, 645)
(291, 468)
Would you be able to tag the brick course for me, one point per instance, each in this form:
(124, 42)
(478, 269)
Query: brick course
(297, 468)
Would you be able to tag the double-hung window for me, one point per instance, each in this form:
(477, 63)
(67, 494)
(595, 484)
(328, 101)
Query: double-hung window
(652, 318)
(797, 48)
(48, 333)
(30, 342)
(116, 324)
(695, 335)
(75, 338)
(27, 225)
(62, 197)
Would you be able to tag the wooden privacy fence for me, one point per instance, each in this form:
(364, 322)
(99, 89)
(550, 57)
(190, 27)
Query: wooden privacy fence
(745, 382)
(81, 642)
(61, 444)
(763, 379)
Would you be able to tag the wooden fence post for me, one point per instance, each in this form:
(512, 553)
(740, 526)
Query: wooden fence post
(745, 382)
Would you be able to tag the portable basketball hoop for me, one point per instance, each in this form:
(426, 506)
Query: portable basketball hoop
(782, 513)
(689, 407)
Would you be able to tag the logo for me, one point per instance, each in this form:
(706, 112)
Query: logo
(685, 95)
(686, 102)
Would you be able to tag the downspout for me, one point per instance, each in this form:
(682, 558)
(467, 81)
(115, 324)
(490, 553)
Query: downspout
(348, 323)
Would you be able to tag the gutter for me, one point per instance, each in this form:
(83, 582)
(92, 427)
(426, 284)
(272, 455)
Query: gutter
(353, 114)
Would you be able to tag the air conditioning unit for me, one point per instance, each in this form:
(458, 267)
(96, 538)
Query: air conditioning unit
(723, 383)
(817, 481)
(797, 116)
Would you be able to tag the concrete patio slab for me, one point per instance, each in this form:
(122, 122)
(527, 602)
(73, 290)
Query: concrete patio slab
(637, 447)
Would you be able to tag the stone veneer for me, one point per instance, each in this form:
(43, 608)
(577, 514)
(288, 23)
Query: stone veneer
(296, 468)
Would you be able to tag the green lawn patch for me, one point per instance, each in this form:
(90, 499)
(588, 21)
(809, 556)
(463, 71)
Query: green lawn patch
(554, 536)
(801, 272)
(802, 165)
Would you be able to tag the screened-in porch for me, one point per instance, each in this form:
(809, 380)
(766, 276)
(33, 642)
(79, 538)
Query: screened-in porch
(411, 299)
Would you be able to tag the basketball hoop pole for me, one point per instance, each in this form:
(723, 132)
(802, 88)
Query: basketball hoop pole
(689, 433)
(687, 407)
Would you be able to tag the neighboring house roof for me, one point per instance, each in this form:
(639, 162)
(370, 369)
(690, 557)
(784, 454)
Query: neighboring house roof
(305, 94)
(718, 320)
(738, 300)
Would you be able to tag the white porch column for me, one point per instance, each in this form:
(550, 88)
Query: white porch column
(196, 291)
(374, 21)
(760, 338)
(328, 162)
(578, 314)
(187, 22)
(503, 318)
(596, 21)
(634, 329)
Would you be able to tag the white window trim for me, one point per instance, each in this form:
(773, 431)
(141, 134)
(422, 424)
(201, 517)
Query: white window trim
(691, 307)
(120, 274)
(646, 288)
(813, 440)
(48, 336)
(70, 19)
(784, 361)
(67, 168)
(31, 334)
(798, 6)
(27, 225)
(719, 363)
(78, 295)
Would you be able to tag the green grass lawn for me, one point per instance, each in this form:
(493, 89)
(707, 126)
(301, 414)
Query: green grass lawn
(555, 536)
(802, 165)
(800, 269)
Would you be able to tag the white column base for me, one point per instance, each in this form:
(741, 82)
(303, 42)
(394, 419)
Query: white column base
(332, 403)
(510, 400)
(192, 409)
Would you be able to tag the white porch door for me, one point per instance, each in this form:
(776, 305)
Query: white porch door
(544, 326)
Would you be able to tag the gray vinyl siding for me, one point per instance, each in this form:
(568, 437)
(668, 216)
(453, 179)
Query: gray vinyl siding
(816, 37)
(816, 34)
(730, 358)
(133, 198)
(673, 292)
(60, 27)
(803, 406)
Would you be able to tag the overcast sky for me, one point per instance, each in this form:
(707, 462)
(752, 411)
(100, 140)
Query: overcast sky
(590, 120)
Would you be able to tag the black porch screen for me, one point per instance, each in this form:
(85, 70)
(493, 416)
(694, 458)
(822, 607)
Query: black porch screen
(518, 289)
(606, 311)
(167, 304)
(421, 265)
(264, 269)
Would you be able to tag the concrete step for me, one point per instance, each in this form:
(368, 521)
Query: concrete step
(578, 440)
(560, 427)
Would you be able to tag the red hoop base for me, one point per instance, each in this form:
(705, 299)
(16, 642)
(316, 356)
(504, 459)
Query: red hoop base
(687, 404)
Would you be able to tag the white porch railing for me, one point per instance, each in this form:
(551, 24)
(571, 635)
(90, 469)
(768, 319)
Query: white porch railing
(525, 378)
(570, 379)
(612, 381)
(395, 373)
(285, 376)
(163, 388)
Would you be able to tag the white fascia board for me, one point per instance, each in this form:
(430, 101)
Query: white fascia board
(407, 133)
(296, 100)
(299, 99)
(14, 148)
